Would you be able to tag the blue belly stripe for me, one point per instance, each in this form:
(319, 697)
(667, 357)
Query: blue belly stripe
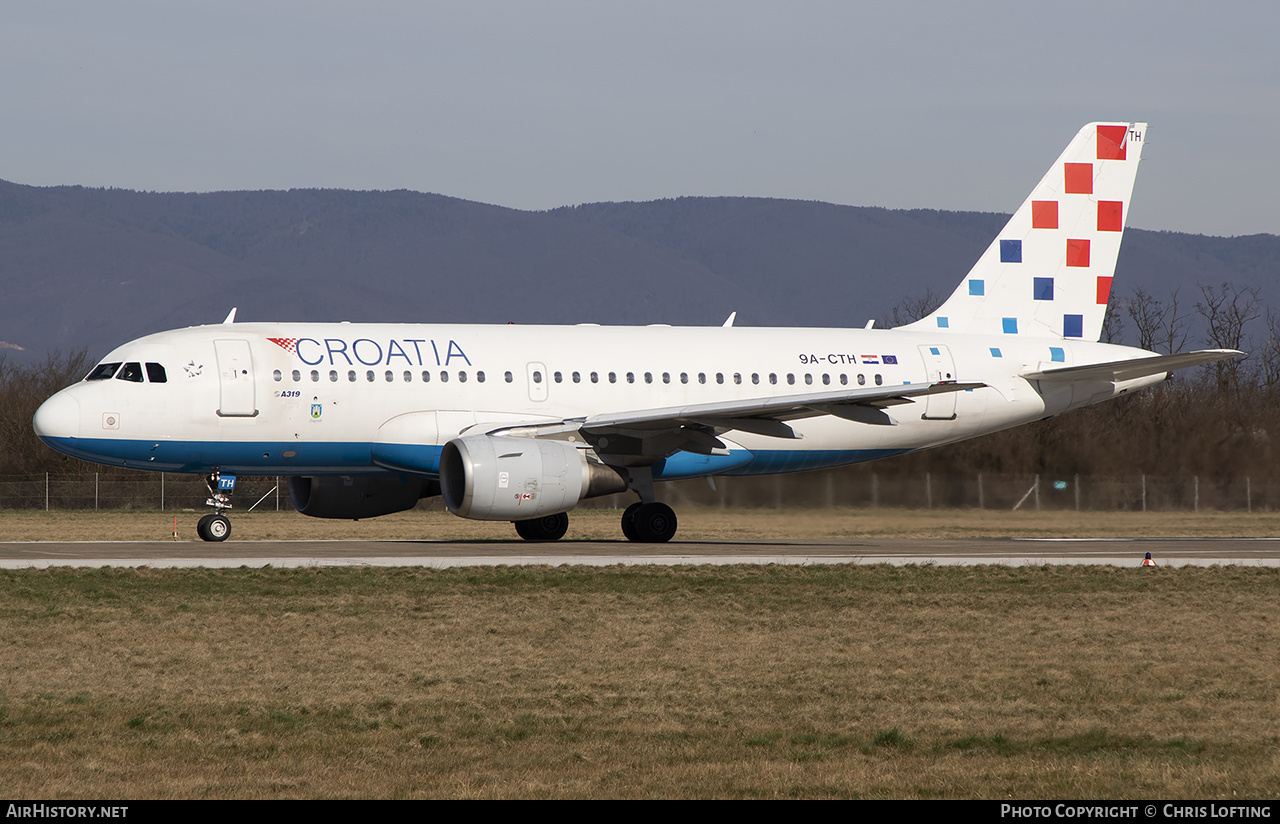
(345, 458)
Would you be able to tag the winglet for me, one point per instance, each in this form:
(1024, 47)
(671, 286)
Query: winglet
(729, 322)
(231, 316)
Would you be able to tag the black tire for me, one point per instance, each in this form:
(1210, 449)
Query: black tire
(546, 528)
(629, 521)
(216, 529)
(655, 523)
(202, 527)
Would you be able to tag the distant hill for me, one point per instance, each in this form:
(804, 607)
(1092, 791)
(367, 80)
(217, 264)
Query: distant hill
(92, 267)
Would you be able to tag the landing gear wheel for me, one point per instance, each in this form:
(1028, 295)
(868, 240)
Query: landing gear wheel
(215, 527)
(629, 521)
(546, 528)
(655, 523)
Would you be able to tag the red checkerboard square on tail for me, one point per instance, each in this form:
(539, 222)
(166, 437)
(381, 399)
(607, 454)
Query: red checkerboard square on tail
(1044, 214)
(1111, 142)
(1110, 216)
(1077, 252)
(1077, 178)
(1104, 291)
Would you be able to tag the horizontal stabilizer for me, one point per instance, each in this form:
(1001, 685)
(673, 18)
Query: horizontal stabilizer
(1134, 368)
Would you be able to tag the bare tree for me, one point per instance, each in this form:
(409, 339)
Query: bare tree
(1227, 310)
(22, 390)
(1174, 328)
(1158, 324)
(1112, 324)
(1269, 353)
(912, 309)
(1148, 317)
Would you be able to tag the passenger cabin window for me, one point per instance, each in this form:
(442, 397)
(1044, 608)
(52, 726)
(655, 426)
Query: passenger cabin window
(103, 371)
(130, 372)
(277, 375)
(155, 373)
(297, 376)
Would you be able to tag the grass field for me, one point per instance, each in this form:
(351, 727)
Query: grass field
(735, 682)
(696, 524)
(738, 682)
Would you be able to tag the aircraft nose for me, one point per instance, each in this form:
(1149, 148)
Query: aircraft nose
(58, 417)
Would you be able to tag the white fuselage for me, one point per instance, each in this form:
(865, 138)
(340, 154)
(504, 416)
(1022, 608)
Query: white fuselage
(313, 399)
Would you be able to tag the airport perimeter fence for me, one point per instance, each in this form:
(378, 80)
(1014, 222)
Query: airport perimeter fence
(849, 487)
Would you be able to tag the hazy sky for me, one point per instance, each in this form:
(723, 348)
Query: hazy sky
(949, 105)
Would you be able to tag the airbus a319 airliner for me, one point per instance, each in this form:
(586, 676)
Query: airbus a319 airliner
(521, 423)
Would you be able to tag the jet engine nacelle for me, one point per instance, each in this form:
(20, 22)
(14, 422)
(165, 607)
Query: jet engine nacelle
(357, 496)
(495, 478)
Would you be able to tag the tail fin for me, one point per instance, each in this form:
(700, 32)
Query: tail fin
(1049, 272)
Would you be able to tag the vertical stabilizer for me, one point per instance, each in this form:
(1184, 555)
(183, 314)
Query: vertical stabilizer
(1049, 272)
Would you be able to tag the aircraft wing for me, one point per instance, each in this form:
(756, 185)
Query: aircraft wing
(658, 432)
(1134, 368)
(767, 416)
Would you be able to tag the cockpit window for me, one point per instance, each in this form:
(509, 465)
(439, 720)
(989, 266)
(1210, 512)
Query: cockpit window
(103, 371)
(155, 373)
(131, 372)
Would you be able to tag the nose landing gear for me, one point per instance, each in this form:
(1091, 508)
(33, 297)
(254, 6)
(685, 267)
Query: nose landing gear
(216, 526)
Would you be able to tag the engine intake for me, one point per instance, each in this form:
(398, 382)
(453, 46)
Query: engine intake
(495, 478)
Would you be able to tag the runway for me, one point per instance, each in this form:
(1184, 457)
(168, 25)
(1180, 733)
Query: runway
(1121, 552)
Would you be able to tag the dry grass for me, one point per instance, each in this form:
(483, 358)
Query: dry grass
(696, 524)
(640, 682)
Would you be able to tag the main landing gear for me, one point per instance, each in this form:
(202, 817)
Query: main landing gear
(546, 528)
(645, 522)
(651, 523)
(216, 526)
